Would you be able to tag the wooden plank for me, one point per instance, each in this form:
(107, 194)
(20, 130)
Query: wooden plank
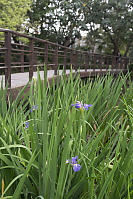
(8, 59)
(31, 47)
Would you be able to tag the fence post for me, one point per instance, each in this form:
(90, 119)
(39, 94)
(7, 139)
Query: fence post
(8, 59)
(46, 55)
(100, 62)
(31, 61)
(86, 61)
(113, 62)
(94, 62)
(65, 58)
(82, 60)
(56, 60)
(35, 60)
(74, 59)
(107, 62)
(71, 58)
(22, 60)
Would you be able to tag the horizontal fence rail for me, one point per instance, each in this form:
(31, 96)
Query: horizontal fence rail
(26, 53)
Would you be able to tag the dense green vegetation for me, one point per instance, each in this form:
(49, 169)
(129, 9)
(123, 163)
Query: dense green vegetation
(40, 132)
(13, 14)
(108, 24)
(111, 28)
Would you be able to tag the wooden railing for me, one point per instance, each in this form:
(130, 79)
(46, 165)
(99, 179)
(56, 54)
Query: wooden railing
(29, 52)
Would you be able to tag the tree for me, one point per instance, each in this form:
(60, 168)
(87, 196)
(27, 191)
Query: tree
(59, 21)
(13, 13)
(110, 24)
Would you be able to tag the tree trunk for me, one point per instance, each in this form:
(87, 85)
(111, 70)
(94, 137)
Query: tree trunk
(116, 49)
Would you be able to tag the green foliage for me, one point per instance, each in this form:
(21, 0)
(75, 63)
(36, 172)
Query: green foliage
(111, 25)
(33, 159)
(108, 24)
(13, 13)
(58, 21)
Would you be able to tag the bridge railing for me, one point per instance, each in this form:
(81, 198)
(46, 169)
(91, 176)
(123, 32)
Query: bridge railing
(19, 51)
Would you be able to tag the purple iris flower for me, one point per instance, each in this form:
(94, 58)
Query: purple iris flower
(67, 161)
(77, 105)
(81, 106)
(34, 108)
(27, 125)
(86, 106)
(76, 166)
(74, 160)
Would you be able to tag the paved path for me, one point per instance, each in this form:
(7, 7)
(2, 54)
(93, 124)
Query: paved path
(21, 79)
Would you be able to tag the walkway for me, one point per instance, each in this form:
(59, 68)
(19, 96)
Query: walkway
(21, 79)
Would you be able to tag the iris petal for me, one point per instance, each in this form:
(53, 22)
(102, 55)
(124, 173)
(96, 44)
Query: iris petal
(27, 125)
(76, 167)
(67, 161)
(80, 105)
(34, 108)
(74, 160)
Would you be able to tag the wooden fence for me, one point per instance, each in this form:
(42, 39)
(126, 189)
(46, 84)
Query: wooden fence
(29, 52)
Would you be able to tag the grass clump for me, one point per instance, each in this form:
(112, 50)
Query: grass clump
(36, 142)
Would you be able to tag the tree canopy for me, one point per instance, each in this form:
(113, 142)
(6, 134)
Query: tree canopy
(57, 20)
(13, 13)
(108, 23)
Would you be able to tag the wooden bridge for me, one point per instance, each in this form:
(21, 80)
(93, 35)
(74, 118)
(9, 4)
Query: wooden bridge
(20, 55)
